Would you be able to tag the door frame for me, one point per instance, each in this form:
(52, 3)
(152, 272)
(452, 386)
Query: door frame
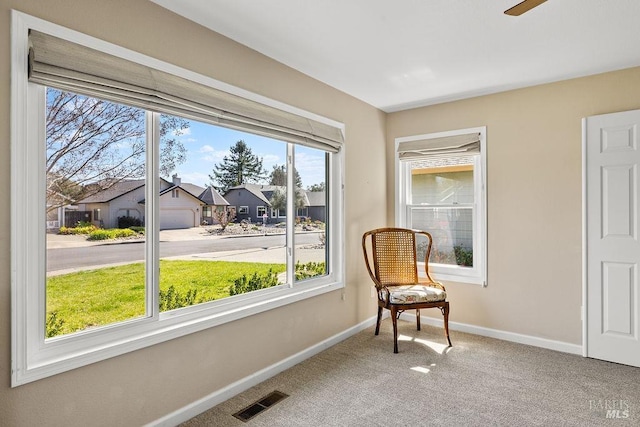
(584, 309)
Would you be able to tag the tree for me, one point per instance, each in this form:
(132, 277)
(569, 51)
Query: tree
(91, 144)
(224, 215)
(316, 187)
(279, 176)
(241, 166)
(278, 198)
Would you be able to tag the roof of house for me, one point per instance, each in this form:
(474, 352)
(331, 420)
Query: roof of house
(316, 198)
(196, 190)
(173, 187)
(207, 195)
(256, 189)
(211, 197)
(113, 191)
(264, 193)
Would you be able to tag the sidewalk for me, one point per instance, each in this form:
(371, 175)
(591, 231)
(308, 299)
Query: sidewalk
(275, 255)
(57, 241)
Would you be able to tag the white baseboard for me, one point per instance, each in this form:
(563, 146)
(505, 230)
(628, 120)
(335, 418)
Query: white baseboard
(187, 412)
(502, 335)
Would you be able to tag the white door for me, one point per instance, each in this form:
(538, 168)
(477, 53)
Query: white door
(612, 250)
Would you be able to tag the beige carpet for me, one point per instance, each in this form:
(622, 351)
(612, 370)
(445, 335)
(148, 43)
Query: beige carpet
(479, 381)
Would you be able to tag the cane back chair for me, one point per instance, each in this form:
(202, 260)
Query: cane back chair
(393, 253)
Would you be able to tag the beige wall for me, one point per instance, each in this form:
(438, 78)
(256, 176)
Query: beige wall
(145, 385)
(534, 179)
(534, 203)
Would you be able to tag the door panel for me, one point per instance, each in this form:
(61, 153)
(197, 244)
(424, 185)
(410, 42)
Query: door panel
(612, 248)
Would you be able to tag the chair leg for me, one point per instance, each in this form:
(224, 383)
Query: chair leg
(378, 321)
(394, 319)
(418, 317)
(445, 313)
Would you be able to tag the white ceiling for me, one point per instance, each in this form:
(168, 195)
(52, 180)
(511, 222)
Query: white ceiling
(399, 54)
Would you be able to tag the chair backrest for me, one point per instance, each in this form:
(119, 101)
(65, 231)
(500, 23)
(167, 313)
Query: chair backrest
(393, 253)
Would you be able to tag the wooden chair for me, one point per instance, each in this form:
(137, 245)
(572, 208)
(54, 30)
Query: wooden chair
(395, 275)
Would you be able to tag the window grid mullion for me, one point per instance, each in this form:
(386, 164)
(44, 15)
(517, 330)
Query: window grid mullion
(152, 215)
(290, 221)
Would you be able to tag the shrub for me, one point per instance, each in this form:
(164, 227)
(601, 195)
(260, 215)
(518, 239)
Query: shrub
(137, 229)
(123, 232)
(459, 256)
(113, 233)
(463, 255)
(85, 229)
(310, 269)
(128, 221)
(53, 325)
(99, 235)
(172, 299)
(243, 285)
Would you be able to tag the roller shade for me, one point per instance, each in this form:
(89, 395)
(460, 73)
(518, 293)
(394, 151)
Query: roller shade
(69, 66)
(445, 146)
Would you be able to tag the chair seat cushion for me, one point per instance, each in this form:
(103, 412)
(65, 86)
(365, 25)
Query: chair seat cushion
(414, 294)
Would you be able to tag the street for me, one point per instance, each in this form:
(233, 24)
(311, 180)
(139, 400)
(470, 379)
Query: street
(77, 257)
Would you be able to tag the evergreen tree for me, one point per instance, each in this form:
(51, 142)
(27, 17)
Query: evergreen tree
(241, 166)
(279, 176)
(316, 187)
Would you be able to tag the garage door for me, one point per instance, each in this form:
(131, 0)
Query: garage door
(176, 218)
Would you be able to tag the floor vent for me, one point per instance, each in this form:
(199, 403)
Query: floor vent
(261, 405)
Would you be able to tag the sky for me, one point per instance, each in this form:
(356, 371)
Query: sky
(207, 145)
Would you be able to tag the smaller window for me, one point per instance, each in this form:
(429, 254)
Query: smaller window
(278, 213)
(441, 189)
(175, 194)
(97, 215)
(243, 210)
(261, 211)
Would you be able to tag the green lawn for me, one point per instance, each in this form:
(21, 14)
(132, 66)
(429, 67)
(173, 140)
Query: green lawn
(103, 296)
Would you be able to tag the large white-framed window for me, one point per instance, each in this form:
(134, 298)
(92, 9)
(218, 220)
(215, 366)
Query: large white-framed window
(441, 188)
(36, 355)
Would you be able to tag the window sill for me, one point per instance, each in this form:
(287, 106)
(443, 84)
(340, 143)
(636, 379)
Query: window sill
(85, 349)
(442, 277)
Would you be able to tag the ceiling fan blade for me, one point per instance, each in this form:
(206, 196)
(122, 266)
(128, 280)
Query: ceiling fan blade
(523, 7)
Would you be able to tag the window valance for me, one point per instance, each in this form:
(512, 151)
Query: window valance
(66, 65)
(444, 146)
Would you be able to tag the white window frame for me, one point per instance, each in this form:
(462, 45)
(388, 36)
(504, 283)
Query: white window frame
(277, 213)
(243, 210)
(453, 273)
(33, 357)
